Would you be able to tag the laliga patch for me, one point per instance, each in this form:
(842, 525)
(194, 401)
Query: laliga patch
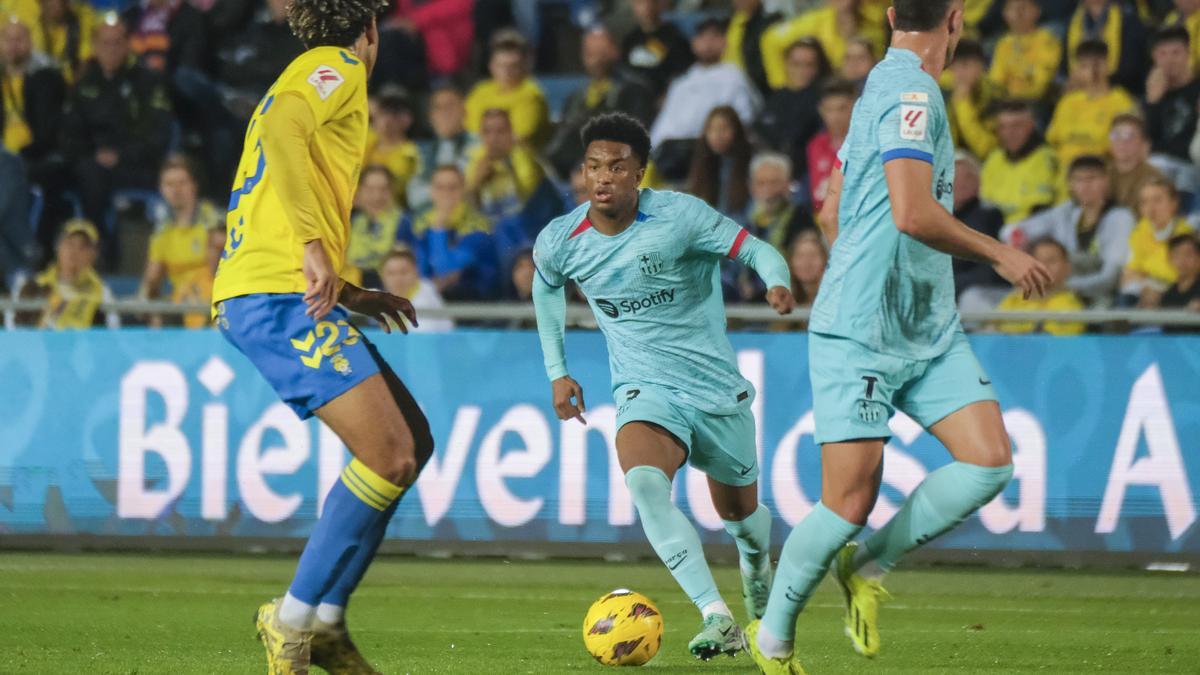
(914, 119)
(325, 80)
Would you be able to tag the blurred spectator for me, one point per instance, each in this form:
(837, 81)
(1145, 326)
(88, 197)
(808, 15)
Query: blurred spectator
(14, 216)
(1020, 176)
(790, 118)
(720, 169)
(1131, 167)
(609, 89)
(401, 59)
(31, 116)
(375, 224)
(1058, 297)
(454, 243)
(117, 125)
(743, 39)
(773, 217)
(521, 277)
(1148, 272)
(1027, 57)
(167, 35)
(1094, 230)
(1084, 116)
(1184, 254)
(970, 276)
(1172, 93)
(1187, 15)
(196, 289)
(388, 143)
(250, 62)
(706, 85)
(512, 90)
(62, 30)
(579, 189)
(178, 249)
(447, 27)
(655, 49)
(834, 24)
(972, 97)
(70, 286)
(860, 59)
(451, 142)
(807, 257)
(502, 175)
(837, 103)
(1116, 24)
(400, 277)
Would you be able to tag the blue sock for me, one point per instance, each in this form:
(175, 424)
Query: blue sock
(671, 534)
(943, 500)
(806, 556)
(354, 509)
(352, 575)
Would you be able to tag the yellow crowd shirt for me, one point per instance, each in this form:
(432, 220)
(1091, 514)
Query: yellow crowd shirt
(513, 181)
(1017, 187)
(1111, 35)
(1081, 124)
(295, 183)
(821, 24)
(180, 247)
(17, 133)
(526, 107)
(403, 160)
(1148, 251)
(1062, 301)
(464, 220)
(734, 36)
(1023, 66)
(1192, 24)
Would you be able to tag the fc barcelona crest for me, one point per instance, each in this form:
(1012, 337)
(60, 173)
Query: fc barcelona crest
(651, 263)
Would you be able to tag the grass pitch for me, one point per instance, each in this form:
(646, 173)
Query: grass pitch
(192, 614)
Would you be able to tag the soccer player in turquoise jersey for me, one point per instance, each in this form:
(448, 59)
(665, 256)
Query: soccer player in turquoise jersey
(885, 336)
(648, 263)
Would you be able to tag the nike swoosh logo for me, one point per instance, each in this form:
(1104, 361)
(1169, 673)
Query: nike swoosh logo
(984, 381)
(681, 561)
(726, 631)
(747, 470)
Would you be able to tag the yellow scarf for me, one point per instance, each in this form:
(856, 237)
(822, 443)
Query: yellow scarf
(70, 305)
(1112, 35)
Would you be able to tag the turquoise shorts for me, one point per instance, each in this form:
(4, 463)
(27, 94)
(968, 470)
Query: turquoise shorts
(722, 446)
(856, 391)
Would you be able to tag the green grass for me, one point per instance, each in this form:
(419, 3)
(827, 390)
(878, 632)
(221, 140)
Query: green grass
(192, 614)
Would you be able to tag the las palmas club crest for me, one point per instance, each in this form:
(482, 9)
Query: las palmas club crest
(651, 263)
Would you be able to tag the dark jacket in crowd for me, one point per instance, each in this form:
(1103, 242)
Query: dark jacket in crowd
(1172, 121)
(187, 39)
(250, 63)
(130, 113)
(44, 93)
(788, 123)
(756, 25)
(627, 93)
(659, 56)
(987, 220)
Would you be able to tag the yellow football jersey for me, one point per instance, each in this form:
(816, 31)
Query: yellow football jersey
(295, 183)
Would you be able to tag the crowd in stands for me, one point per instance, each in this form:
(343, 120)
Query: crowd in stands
(1076, 123)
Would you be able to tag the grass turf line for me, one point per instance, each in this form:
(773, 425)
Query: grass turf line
(64, 613)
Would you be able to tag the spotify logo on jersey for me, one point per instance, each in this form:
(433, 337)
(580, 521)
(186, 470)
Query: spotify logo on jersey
(632, 306)
(608, 308)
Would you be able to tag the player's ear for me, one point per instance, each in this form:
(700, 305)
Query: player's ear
(891, 15)
(373, 32)
(641, 173)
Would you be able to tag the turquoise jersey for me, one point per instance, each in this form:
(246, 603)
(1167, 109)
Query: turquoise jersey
(884, 289)
(656, 292)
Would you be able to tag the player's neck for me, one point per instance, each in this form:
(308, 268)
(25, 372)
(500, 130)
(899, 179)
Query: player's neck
(615, 224)
(927, 47)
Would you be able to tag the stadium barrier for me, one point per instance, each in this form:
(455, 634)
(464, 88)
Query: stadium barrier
(136, 436)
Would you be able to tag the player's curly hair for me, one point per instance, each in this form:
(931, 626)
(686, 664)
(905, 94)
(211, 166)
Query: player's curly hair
(332, 23)
(618, 128)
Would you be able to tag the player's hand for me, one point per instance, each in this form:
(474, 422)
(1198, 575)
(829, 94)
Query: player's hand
(780, 299)
(381, 307)
(568, 399)
(322, 294)
(1023, 271)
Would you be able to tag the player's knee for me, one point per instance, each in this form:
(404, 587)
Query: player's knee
(648, 485)
(398, 446)
(853, 504)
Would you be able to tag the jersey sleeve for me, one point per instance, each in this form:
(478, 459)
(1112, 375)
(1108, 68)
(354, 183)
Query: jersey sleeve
(328, 85)
(709, 230)
(909, 125)
(545, 257)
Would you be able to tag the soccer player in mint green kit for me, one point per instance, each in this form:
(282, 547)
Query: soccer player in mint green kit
(885, 336)
(649, 264)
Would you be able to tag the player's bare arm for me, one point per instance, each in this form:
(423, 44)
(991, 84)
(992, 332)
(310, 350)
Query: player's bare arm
(384, 307)
(827, 219)
(918, 215)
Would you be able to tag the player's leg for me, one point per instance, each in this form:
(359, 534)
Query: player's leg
(332, 648)
(955, 401)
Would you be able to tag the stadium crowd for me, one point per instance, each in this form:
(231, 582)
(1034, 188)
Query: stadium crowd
(1076, 124)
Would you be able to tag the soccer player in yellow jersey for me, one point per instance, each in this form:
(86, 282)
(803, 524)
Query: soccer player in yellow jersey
(276, 298)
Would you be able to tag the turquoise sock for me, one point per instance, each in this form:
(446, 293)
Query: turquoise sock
(671, 534)
(943, 500)
(356, 504)
(806, 556)
(753, 538)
